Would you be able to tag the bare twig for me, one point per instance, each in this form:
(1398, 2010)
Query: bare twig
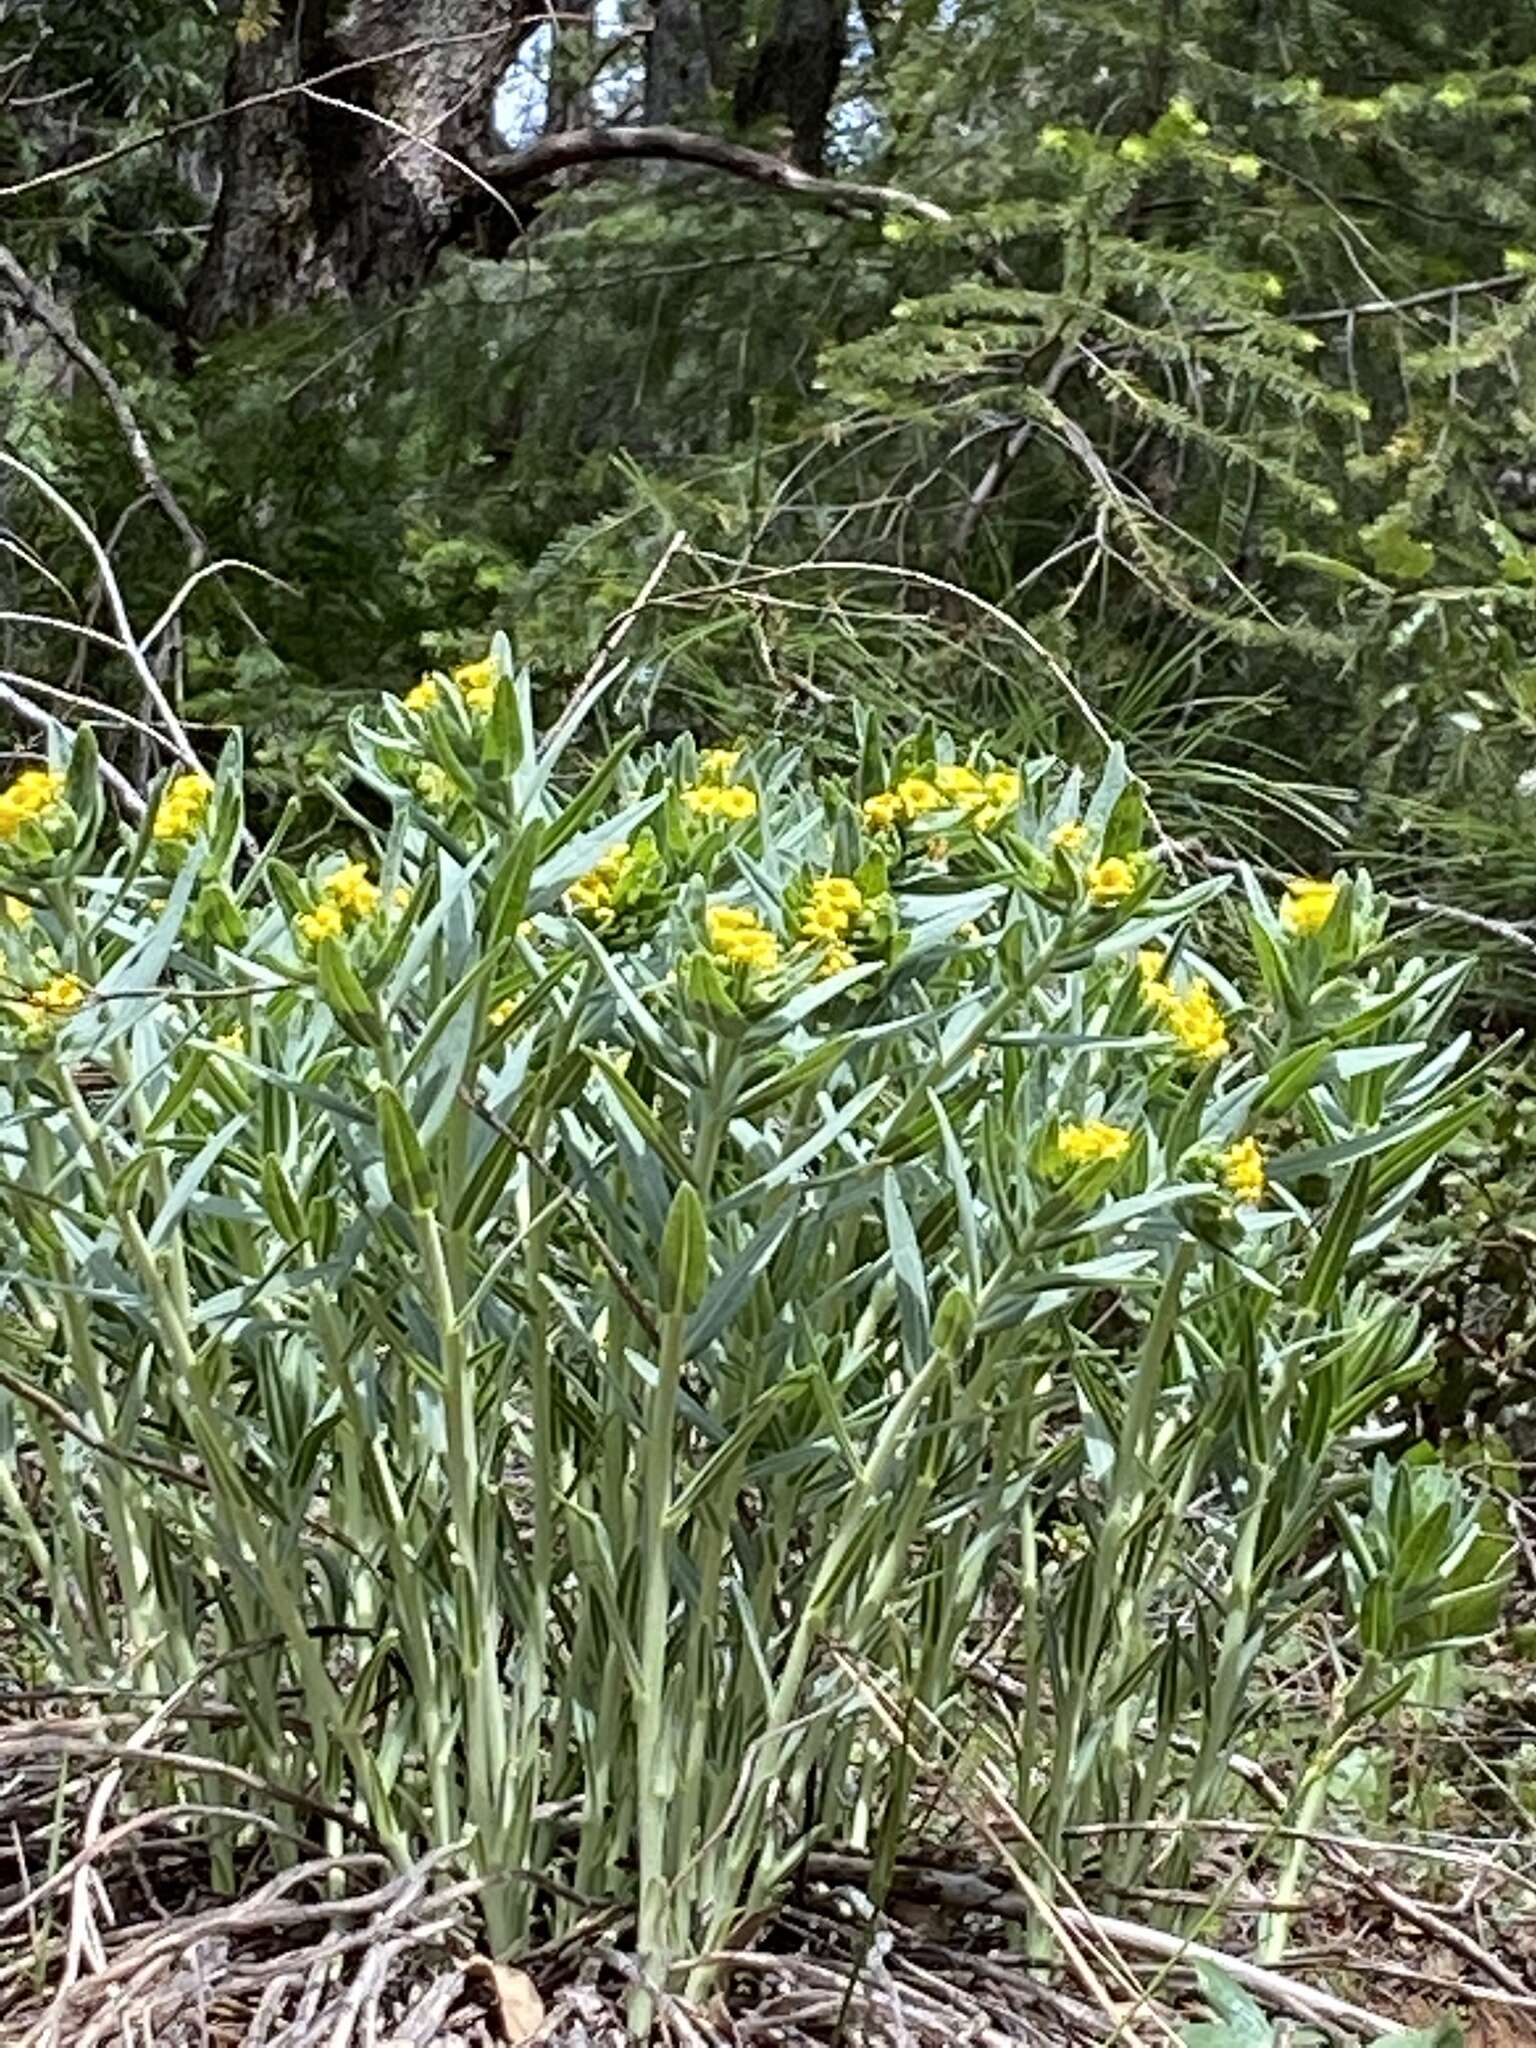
(995, 475)
(28, 708)
(45, 310)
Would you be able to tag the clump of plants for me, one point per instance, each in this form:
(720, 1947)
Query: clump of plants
(562, 1311)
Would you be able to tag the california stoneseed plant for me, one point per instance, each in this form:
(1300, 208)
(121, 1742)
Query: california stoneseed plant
(571, 1313)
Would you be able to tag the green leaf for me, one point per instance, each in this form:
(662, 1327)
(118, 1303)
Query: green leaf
(683, 1270)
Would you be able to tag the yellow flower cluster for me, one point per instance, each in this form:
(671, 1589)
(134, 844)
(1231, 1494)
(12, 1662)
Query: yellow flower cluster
(348, 896)
(45, 1008)
(232, 1040)
(1307, 906)
(1242, 1170)
(731, 800)
(1087, 1143)
(1110, 880)
(34, 793)
(834, 903)
(1071, 837)
(1193, 1018)
(740, 936)
(476, 680)
(591, 897)
(180, 812)
(983, 799)
(433, 783)
(716, 794)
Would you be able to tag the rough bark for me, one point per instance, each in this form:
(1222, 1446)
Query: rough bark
(324, 193)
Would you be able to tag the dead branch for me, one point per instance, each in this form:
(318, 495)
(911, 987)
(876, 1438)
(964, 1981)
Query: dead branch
(42, 307)
(579, 146)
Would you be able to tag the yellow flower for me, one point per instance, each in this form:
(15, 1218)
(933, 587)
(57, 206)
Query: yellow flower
(954, 779)
(325, 921)
(1002, 788)
(399, 897)
(1109, 880)
(45, 1008)
(1193, 1018)
(1071, 837)
(18, 912)
(351, 890)
(1242, 1170)
(422, 696)
(834, 902)
(916, 795)
(591, 896)
(34, 792)
(836, 959)
(1150, 962)
(180, 812)
(740, 936)
(1307, 906)
(1086, 1144)
(478, 679)
(820, 922)
(501, 1014)
(232, 1040)
(731, 801)
(60, 994)
(841, 891)
(719, 764)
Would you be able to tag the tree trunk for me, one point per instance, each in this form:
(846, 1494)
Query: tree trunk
(793, 78)
(323, 191)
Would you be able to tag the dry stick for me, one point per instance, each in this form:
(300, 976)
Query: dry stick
(131, 645)
(124, 1831)
(924, 580)
(84, 1936)
(996, 472)
(89, 707)
(122, 1754)
(599, 676)
(1040, 1908)
(24, 707)
(965, 1893)
(1407, 1908)
(617, 632)
(43, 309)
(1297, 1999)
